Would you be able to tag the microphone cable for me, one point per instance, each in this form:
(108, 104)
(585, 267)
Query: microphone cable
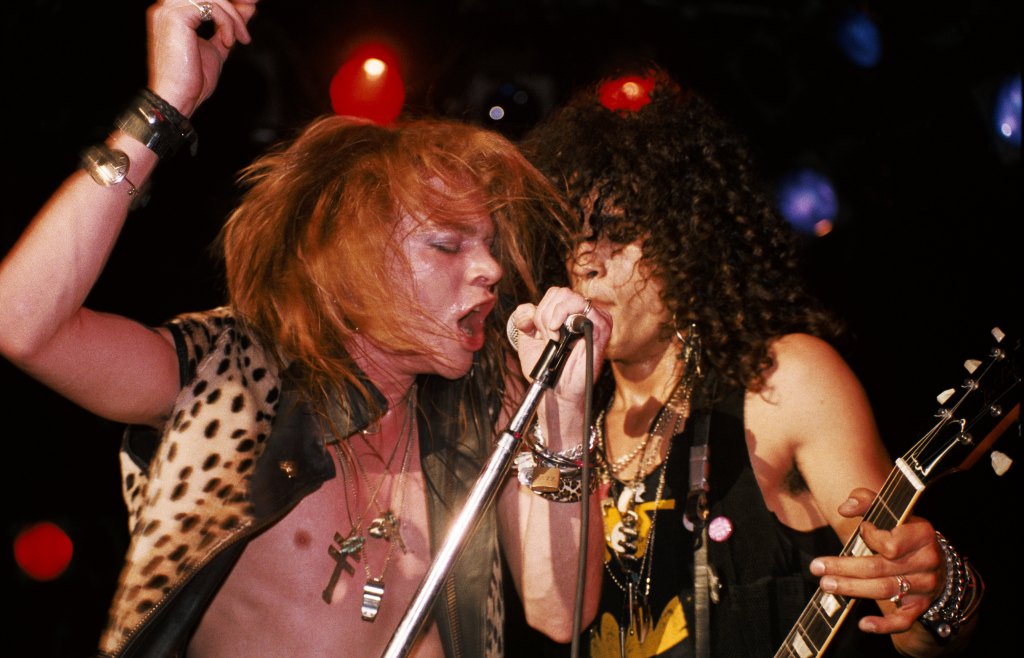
(581, 572)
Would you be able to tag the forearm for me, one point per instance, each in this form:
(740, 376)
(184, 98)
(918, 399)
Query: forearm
(47, 275)
(542, 536)
(541, 539)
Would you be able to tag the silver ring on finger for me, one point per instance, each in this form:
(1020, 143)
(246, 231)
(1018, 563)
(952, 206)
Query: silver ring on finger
(205, 10)
(902, 587)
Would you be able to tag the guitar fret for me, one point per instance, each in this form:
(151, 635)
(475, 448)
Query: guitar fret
(816, 625)
(830, 604)
(858, 548)
(897, 497)
(801, 648)
(888, 520)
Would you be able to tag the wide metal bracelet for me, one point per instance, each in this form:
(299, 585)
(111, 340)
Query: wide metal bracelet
(157, 124)
(109, 167)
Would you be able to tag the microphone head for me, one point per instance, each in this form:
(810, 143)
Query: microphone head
(575, 323)
(512, 331)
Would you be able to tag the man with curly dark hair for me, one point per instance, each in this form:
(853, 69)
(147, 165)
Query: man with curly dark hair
(720, 358)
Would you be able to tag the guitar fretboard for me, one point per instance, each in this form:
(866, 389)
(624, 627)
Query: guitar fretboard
(821, 618)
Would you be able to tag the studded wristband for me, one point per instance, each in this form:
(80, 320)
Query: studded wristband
(960, 596)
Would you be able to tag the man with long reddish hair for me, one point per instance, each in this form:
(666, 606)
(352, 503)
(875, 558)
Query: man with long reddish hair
(294, 457)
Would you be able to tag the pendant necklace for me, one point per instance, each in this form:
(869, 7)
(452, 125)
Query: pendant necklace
(385, 526)
(635, 581)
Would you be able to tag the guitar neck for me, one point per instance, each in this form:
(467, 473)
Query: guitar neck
(822, 617)
(987, 406)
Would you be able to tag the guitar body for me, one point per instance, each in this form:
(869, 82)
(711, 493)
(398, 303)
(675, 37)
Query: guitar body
(972, 417)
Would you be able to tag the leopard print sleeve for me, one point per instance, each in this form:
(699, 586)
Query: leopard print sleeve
(194, 334)
(194, 337)
(186, 485)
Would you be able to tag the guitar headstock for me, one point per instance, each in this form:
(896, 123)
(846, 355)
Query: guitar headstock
(973, 415)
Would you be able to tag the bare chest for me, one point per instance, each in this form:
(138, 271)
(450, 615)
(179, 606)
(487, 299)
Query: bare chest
(302, 587)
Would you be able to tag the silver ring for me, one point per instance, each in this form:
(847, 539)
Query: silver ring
(902, 586)
(205, 10)
(586, 309)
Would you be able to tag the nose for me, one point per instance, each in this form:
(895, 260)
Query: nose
(485, 270)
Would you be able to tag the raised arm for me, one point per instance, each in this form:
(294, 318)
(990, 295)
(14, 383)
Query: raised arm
(541, 536)
(108, 364)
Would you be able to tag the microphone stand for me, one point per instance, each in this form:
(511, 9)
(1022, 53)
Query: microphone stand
(544, 376)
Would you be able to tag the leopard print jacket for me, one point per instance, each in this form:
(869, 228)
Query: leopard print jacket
(194, 491)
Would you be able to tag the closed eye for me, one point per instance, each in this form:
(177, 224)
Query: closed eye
(447, 248)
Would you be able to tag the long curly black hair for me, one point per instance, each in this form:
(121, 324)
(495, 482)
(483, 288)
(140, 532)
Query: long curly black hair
(639, 156)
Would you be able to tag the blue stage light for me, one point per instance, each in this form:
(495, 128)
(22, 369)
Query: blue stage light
(1006, 111)
(808, 201)
(859, 39)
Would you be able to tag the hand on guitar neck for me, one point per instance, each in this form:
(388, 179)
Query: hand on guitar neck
(899, 560)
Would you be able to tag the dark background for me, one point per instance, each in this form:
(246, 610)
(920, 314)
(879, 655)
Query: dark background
(924, 259)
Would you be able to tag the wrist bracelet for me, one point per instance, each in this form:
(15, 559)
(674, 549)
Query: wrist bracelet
(557, 476)
(561, 485)
(960, 596)
(568, 459)
(108, 167)
(157, 124)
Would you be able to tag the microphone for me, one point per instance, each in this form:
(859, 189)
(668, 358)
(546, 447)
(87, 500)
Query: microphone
(551, 360)
(573, 325)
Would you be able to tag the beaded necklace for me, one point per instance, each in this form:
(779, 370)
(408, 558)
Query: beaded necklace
(635, 571)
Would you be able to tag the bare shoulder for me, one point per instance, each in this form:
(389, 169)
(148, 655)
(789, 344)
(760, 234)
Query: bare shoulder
(813, 416)
(807, 372)
(800, 358)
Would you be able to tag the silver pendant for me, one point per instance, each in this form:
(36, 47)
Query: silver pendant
(373, 592)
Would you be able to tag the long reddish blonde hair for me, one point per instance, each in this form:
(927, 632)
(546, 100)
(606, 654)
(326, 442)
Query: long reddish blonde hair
(305, 251)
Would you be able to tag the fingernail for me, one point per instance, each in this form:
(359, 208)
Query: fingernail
(817, 567)
(849, 502)
(828, 584)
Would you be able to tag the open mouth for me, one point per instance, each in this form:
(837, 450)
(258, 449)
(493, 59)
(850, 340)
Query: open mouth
(472, 323)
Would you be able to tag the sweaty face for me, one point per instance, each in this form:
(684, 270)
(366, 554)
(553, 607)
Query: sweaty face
(615, 278)
(448, 276)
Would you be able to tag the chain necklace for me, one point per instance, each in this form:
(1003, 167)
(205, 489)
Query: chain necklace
(636, 616)
(385, 526)
(636, 619)
(618, 464)
(677, 405)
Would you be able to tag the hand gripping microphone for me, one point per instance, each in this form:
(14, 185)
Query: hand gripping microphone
(550, 363)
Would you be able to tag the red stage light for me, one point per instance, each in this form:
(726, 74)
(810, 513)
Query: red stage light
(626, 94)
(43, 551)
(368, 85)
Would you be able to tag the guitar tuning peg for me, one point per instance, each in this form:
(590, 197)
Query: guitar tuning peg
(998, 334)
(1001, 462)
(945, 395)
(971, 365)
